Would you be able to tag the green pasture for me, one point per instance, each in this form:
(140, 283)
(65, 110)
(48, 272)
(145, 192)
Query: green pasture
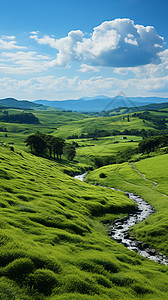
(54, 241)
(64, 124)
(154, 230)
(106, 145)
(102, 123)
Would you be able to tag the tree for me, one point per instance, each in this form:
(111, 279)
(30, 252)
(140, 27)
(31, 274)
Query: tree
(37, 143)
(48, 139)
(69, 151)
(57, 146)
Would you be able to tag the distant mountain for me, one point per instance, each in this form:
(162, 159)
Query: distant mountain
(24, 104)
(101, 103)
(86, 104)
(125, 110)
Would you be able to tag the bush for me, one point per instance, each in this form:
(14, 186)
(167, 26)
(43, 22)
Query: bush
(43, 280)
(19, 269)
(102, 175)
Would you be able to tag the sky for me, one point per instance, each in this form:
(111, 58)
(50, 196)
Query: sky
(58, 50)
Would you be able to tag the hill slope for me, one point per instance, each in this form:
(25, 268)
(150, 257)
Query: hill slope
(147, 178)
(53, 245)
(23, 104)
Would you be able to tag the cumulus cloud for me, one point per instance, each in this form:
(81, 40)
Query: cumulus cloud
(9, 43)
(149, 70)
(117, 43)
(65, 46)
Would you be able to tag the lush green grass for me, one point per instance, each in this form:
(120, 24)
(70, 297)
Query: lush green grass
(154, 230)
(50, 121)
(54, 244)
(64, 124)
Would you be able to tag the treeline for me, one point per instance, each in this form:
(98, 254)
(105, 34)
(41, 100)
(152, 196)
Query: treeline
(151, 144)
(146, 146)
(158, 121)
(104, 133)
(120, 157)
(50, 146)
(22, 118)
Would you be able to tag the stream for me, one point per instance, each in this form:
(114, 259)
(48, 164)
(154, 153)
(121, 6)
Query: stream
(119, 229)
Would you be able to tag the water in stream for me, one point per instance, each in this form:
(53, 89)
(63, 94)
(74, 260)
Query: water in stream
(118, 230)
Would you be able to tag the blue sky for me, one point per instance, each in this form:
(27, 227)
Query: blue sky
(70, 49)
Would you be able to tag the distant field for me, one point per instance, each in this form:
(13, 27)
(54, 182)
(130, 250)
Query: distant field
(66, 124)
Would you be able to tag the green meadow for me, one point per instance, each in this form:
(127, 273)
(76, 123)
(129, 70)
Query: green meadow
(64, 124)
(54, 241)
(130, 177)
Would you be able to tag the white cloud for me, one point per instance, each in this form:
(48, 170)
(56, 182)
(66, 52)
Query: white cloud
(149, 70)
(51, 87)
(9, 43)
(8, 37)
(23, 62)
(65, 46)
(85, 68)
(117, 43)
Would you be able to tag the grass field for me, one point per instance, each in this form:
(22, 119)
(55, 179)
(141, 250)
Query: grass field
(154, 230)
(64, 124)
(54, 242)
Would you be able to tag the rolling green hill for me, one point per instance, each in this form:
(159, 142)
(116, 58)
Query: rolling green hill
(53, 241)
(153, 188)
(22, 104)
(95, 136)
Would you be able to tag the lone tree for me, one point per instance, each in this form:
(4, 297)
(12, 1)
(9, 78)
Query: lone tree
(69, 151)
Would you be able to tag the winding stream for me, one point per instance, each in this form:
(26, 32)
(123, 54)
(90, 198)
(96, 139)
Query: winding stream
(118, 230)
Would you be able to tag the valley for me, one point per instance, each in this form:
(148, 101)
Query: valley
(54, 228)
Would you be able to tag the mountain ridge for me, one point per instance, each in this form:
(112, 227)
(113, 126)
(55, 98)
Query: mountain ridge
(101, 104)
(84, 104)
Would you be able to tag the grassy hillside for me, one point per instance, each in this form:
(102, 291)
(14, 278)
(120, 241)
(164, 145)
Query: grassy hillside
(130, 177)
(53, 241)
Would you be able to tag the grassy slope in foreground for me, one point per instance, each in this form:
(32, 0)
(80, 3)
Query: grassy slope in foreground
(154, 230)
(53, 245)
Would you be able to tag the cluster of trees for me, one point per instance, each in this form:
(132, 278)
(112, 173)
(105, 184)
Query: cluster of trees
(158, 120)
(50, 146)
(153, 143)
(120, 157)
(94, 134)
(146, 146)
(103, 133)
(23, 118)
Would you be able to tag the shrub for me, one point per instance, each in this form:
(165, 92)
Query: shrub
(42, 262)
(8, 256)
(102, 175)
(19, 269)
(43, 280)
